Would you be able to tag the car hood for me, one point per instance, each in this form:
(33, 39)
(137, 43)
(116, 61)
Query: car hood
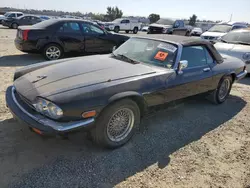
(160, 25)
(2, 16)
(75, 73)
(236, 50)
(213, 34)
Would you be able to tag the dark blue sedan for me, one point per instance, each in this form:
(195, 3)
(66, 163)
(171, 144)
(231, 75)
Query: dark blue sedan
(108, 94)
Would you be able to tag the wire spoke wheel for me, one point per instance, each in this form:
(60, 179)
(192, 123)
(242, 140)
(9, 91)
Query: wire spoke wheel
(120, 124)
(53, 52)
(224, 89)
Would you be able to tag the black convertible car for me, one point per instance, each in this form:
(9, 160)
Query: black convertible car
(54, 37)
(108, 94)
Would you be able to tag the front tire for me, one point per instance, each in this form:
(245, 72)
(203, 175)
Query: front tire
(116, 124)
(116, 29)
(222, 92)
(135, 30)
(14, 25)
(52, 52)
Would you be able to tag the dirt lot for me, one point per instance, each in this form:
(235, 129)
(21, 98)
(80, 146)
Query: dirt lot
(193, 144)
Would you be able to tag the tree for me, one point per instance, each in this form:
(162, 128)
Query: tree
(192, 20)
(153, 18)
(113, 13)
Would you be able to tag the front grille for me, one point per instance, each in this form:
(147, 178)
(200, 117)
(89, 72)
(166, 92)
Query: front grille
(155, 29)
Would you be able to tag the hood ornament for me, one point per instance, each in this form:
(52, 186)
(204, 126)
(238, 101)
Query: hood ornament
(39, 78)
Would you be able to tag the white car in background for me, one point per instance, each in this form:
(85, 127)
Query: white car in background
(196, 31)
(123, 24)
(9, 15)
(236, 43)
(219, 30)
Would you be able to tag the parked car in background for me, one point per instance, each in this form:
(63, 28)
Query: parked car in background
(196, 31)
(168, 26)
(22, 20)
(219, 30)
(55, 37)
(12, 15)
(108, 94)
(45, 17)
(123, 24)
(236, 43)
(145, 29)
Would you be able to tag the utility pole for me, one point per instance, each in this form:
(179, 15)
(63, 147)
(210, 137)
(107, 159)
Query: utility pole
(231, 17)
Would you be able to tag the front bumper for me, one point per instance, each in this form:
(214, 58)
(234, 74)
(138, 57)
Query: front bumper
(7, 24)
(37, 121)
(241, 75)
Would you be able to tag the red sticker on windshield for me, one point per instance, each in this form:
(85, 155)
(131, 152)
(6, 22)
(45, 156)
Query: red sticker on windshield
(161, 56)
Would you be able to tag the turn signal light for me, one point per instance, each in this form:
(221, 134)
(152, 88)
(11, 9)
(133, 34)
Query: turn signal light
(89, 114)
(37, 131)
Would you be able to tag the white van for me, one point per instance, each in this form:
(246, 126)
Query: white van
(219, 30)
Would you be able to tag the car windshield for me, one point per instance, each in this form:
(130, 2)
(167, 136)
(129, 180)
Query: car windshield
(165, 21)
(6, 14)
(237, 37)
(221, 28)
(148, 51)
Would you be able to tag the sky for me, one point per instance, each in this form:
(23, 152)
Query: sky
(204, 9)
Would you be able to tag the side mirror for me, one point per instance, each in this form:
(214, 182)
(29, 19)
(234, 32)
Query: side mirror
(114, 48)
(182, 65)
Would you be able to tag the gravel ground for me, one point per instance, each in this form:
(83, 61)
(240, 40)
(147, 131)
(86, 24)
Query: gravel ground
(192, 144)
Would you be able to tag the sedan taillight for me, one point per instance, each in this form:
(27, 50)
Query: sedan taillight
(25, 34)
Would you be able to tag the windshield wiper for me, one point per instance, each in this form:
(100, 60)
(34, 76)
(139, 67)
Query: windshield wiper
(127, 58)
(222, 40)
(243, 43)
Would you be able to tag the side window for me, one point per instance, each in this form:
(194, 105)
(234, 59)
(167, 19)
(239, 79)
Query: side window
(19, 15)
(238, 27)
(124, 21)
(127, 21)
(13, 15)
(177, 24)
(195, 55)
(70, 27)
(210, 60)
(181, 23)
(91, 29)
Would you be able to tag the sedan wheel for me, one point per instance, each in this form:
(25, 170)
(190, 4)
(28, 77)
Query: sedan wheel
(120, 124)
(222, 92)
(116, 124)
(224, 88)
(52, 52)
(14, 26)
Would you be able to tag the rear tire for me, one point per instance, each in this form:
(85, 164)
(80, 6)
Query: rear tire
(52, 52)
(222, 92)
(135, 30)
(116, 124)
(14, 25)
(116, 29)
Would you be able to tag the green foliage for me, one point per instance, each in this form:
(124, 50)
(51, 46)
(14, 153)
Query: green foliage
(113, 13)
(192, 20)
(153, 18)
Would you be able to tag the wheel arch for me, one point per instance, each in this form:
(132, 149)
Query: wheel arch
(136, 97)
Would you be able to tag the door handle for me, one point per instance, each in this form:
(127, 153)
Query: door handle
(206, 69)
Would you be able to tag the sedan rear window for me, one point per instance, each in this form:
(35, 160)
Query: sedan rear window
(148, 51)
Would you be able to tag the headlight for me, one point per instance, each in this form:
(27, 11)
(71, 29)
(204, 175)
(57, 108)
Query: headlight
(48, 108)
(246, 56)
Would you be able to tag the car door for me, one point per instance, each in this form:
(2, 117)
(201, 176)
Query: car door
(195, 79)
(35, 20)
(125, 25)
(95, 39)
(26, 20)
(70, 36)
